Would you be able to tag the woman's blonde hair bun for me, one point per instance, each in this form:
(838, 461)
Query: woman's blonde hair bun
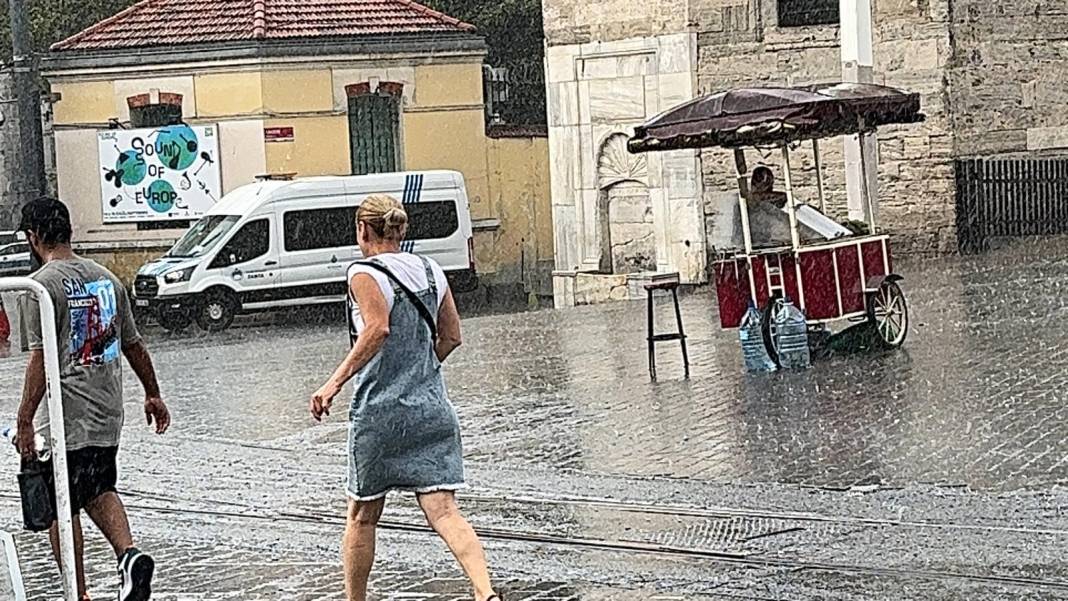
(385, 216)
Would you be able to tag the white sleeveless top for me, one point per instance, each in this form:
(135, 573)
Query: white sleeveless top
(409, 269)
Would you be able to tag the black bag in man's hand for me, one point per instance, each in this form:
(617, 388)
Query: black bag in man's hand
(37, 492)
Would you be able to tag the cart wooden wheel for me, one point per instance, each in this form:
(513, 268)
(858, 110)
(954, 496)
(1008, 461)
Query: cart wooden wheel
(889, 314)
(769, 329)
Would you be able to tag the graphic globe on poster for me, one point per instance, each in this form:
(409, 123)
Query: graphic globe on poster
(161, 196)
(178, 147)
(131, 168)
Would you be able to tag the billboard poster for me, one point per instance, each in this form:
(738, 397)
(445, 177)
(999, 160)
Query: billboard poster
(160, 174)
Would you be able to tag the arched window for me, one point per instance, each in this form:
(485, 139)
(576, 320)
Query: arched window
(374, 127)
(155, 109)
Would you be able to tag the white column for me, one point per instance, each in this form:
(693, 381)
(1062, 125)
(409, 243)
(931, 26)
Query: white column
(858, 66)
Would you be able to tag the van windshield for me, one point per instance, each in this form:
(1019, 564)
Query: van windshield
(203, 236)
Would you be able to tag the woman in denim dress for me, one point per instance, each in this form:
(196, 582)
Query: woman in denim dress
(403, 432)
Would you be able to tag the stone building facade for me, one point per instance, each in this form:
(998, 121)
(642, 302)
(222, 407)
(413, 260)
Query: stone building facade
(620, 213)
(987, 73)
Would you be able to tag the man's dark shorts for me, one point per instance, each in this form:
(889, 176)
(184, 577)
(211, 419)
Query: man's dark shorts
(92, 472)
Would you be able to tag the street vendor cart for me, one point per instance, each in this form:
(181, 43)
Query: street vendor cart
(829, 271)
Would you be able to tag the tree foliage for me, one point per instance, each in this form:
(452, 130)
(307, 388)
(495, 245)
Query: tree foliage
(513, 31)
(55, 20)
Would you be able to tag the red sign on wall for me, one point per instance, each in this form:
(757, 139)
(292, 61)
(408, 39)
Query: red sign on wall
(278, 134)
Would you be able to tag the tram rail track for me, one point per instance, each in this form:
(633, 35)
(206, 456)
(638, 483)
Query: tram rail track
(739, 559)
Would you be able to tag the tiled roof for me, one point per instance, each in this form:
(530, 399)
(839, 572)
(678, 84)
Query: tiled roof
(173, 22)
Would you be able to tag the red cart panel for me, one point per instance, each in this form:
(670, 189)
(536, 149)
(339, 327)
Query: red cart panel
(850, 282)
(834, 279)
(821, 289)
(876, 259)
(732, 291)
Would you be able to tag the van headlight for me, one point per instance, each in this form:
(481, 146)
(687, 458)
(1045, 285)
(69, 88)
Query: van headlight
(180, 275)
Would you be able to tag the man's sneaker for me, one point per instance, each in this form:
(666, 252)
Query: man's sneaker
(135, 572)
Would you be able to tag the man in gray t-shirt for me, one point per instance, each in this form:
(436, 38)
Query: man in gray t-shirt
(94, 330)
(93, 322)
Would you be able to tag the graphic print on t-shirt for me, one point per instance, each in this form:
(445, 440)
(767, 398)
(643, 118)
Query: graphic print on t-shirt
(94, 335)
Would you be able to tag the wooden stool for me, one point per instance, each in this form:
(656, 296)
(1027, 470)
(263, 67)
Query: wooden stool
(665, 282)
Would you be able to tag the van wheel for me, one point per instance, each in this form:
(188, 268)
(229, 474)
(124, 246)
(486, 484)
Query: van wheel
(174, 321)
(217, 310)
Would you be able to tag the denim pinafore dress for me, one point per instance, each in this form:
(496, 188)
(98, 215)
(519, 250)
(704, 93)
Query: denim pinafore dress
(403, 432)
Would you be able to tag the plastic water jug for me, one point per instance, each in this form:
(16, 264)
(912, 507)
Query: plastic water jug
(752, 339)
(792, 337)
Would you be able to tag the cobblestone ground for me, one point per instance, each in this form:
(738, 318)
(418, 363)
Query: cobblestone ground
(932, 472)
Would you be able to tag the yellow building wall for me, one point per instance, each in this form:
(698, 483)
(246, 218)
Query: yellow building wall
(298, 91)
(442, 127)
(454, 85)
(521, 248)
(84, 102)
(450, 140)
(229, 95)
(320, 146)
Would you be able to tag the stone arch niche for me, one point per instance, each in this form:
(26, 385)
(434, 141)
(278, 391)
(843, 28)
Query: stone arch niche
(625, 222)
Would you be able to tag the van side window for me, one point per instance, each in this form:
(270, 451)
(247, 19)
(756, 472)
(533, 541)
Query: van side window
(252, 241)
(431, 220)
(319, 228)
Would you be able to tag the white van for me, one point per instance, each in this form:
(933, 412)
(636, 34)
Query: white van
(288, 243)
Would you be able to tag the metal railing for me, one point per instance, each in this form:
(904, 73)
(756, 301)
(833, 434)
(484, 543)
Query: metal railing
(1010, 197)
(57, 436)
(14, 588)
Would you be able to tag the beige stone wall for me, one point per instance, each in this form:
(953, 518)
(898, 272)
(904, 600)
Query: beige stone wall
(597, 93)
(990, 74)
(570, 22)
(739, 43)
(1007, 77)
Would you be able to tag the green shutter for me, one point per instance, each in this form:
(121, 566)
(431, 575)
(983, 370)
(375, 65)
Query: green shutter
(374, 121)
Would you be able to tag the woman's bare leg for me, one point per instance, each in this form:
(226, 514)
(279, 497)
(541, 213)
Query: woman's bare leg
(444, 517)
(358, 547)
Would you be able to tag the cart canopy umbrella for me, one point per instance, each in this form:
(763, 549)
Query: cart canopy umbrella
(876, 105)
(773, 116)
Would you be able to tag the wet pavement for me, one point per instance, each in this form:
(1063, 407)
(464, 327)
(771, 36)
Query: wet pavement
(931, 472)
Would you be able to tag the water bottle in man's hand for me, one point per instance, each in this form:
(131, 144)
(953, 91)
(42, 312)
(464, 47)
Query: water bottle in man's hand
(9, 434)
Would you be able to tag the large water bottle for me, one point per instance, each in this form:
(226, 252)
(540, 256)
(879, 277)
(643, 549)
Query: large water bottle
(752, 339)
(9, 433)
(792, 337)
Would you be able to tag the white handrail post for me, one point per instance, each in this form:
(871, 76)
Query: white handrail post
(11, 559)
(57, 435)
